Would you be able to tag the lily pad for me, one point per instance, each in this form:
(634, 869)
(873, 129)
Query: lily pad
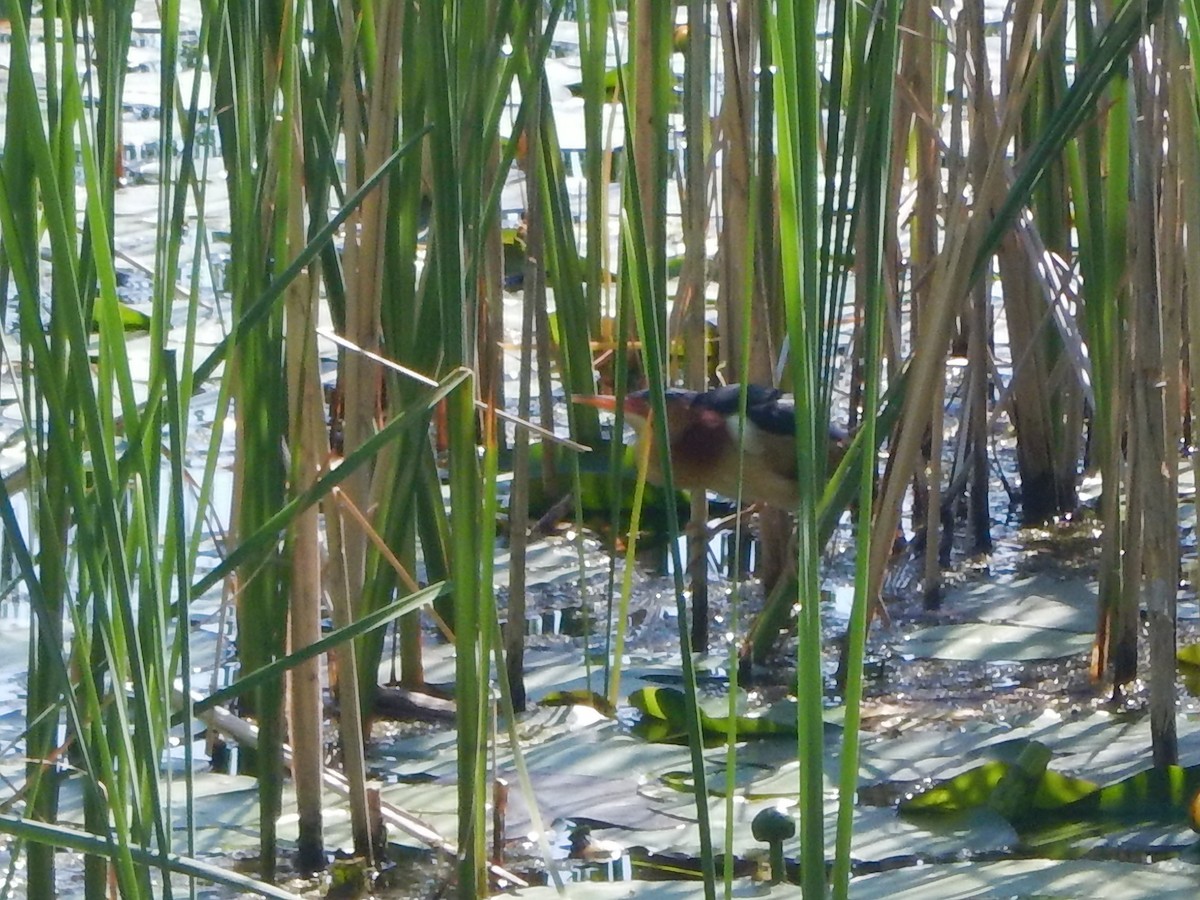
(1030, 878)
(1040, 601)
(983, 642)
(651, 890)
(548, 564)
(565, 795)
(226, 814)
(879, 834)
(924, 754)
(1101, 746)
(548, 670)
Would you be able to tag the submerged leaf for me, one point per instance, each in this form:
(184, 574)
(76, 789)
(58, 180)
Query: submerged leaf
(595, 498)
(1021, 781)
(658, 703)
(1057, 790)
(1189, 674)
(658, 731)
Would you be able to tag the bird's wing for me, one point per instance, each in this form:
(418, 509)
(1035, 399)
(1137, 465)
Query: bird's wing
(775, 415)
(723, 400)
(775, 422)
(727, 400)
(768, 409)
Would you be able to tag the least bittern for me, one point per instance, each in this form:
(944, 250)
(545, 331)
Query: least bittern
(704, 432)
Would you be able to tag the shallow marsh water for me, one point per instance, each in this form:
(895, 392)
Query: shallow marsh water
(925, 718)
(925, 715)
(937, 701)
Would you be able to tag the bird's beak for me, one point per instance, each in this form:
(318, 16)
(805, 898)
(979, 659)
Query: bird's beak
(635, 407)
(606, 402)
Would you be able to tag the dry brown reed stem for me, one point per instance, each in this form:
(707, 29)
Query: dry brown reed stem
(1154, 461)
(389, 557)
(309, 446)
(966, 226)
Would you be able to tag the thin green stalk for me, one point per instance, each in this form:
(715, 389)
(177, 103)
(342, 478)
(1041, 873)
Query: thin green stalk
(58, 836)
(1127, 26)
(509, 714)
(178, 527)
(470, 658)
(264, 303)
(797, 93)
(647, 307)
(245, 54)
(593, 19)
(110, 511)
(873, 216)
(635, 521)
(746, 289)
(254, 545)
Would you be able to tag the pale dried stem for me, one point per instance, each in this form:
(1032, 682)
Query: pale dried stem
(966, 227)
(544, 433)
(309, 447)
(348, 506)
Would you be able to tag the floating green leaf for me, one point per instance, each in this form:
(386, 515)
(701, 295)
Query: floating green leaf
(1189, 654)
(1150, 794)
(1189, 674)
(130, 318)
(665, 705)
(1016, 790)
(965, 791)
(578, 697)
(1164, 793)
(1021, 781)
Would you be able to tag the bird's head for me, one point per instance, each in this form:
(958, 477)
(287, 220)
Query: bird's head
(698, 438)
(637, 406)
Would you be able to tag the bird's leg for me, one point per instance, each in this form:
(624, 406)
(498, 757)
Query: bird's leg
(697, 568)
(777, 543)
(697, 529)
(730, 521)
